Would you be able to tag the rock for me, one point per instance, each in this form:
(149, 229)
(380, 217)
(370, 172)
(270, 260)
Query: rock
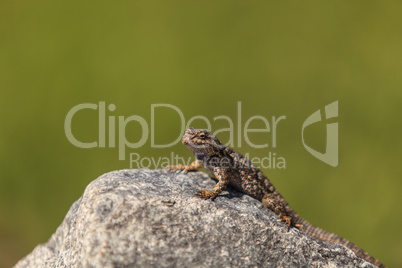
(151, 218)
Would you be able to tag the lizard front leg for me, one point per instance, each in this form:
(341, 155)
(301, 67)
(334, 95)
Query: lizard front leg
(193, 166)
(223, 182)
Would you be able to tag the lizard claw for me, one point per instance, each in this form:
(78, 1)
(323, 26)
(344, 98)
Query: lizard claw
(287, 221)
(177, 168)
(299, 226)
(202, 194)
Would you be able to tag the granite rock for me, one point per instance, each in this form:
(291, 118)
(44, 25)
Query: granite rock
(151, 218)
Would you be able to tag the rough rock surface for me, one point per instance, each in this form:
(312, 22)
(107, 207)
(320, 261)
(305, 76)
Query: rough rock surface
(151, 218)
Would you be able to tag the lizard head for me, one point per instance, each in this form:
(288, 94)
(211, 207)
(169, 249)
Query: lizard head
(202, 143)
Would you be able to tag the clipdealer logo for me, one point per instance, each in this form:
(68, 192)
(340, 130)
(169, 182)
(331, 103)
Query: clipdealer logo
(331, 149)
(238, 129)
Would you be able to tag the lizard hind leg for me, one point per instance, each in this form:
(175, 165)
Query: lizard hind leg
(277, 206)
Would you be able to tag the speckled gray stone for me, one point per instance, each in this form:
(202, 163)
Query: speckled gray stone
(151, 218)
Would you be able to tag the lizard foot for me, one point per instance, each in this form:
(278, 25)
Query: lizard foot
(299, 226)
(287, 220)
(204, 194)
(178, 167)
(193, 166)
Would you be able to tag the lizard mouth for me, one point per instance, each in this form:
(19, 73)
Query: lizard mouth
(185, 140)
(189, 142)
(192, 141)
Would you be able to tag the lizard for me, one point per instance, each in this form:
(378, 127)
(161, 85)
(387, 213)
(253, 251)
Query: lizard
(229, 166)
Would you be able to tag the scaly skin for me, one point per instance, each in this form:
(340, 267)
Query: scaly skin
(228, 166)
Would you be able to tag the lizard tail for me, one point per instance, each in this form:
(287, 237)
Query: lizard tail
(330, 237)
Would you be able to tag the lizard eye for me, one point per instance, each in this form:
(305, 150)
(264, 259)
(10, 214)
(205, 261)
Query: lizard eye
(202, 135)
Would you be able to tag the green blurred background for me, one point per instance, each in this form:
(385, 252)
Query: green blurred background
(203, 57)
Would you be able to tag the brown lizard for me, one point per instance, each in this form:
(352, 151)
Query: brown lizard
(228, 166)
